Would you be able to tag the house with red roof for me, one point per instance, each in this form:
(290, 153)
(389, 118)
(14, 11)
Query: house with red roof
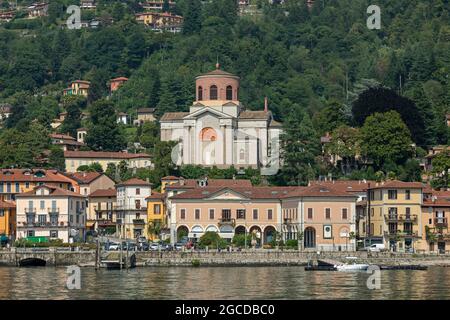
(51, 212)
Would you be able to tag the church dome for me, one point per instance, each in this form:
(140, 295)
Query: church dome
(217, 85)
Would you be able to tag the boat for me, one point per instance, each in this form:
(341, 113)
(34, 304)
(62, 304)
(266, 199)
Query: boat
(353, 266)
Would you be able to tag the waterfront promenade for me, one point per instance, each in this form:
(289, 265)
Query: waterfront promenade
(262, 257)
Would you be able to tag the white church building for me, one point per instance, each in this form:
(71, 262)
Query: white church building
(218, 131)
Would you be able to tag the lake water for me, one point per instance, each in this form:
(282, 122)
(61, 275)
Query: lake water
(221, 283)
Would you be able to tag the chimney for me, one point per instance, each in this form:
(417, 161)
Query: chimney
(266, 104)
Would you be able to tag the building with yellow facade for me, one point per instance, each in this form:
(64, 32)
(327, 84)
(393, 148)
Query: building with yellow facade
(156, 216)
(7, 221)
(393, 215)
(78, 87)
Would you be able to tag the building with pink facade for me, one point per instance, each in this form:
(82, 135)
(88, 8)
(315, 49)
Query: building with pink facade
(322, 216)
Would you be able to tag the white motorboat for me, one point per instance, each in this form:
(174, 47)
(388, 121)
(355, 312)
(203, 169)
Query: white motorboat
(353, 266)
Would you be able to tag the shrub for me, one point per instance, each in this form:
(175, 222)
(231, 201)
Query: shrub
(212, 240)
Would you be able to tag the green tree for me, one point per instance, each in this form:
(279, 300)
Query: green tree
(300, 146)
(440, 171)
(385, 137)
(56, 158)
(212, 240)
(192, 22)
(104, 134)
(345, 143)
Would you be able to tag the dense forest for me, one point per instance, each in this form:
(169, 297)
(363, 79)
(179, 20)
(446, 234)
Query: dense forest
(382, 95)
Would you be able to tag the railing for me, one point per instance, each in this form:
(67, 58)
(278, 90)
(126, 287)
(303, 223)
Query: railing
(440, 222)
(227, 221)
(53, 210)
(138, 221)
(401, 218)
(44, 224)
(30, 210)
(401, 234)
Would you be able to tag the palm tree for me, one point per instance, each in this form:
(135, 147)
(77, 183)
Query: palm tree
(154, 229)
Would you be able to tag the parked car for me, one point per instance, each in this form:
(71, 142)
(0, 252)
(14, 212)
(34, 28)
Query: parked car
(113, 246)
(178, 246)
(141, 239)
(154, 246)
(131, 246)
(376, 247)
(143, 246)
(168, 247)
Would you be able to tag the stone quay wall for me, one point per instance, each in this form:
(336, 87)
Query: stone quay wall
(65, 257)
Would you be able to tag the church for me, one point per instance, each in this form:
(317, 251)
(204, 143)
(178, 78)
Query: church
(219, 131)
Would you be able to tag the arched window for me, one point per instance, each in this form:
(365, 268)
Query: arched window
(229, 93)
(213, 92)
(200, 93)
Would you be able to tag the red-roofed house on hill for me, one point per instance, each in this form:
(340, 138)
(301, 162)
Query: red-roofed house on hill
(75, 159)
(51, 212)
(116, 83)
(89, 182)
(65, 141)
(218, 131)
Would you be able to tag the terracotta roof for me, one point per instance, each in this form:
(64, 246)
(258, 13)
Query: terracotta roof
(7, 204)
(81, 81)
(169, 116)
(61, 136)
(103, 193)
(104, 155)
(254, 115)
(85, 177)
(246, 192)
(319, 190)
(156, 196)
(120, 79)
(347, 185)
(171, 178)
(398, 184)
(28, 175)
(54, 191)
(218, 183)
(146, 110)
(134, 182)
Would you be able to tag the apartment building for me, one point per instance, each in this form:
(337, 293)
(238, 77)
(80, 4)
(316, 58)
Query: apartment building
(51, 212)
(100, 214)
(7, 221)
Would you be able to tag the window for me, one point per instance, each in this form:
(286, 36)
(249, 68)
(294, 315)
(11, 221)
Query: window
(372, 212)
(372, 195)
(197, 214)
(269, 214)
(211, 214)
(138, 204)
(226, 214)
(42, 204)
(53, 233)
(17, 187)
(240, 214)
(255, 214)
(408, 194)
(344, 213)
(156, 208)
(1, 187)
(200, 93)
(71, 218)
(2, 212)
(229, 93)
(8, 187)
(30, 233)
(408, 213)
(213, 92)
(54, 219)
(327, 213)
(310, 213)
(138, 191)
(77, 219)
(392, 194)
(42, 219)
(138, 215)
(27, 185)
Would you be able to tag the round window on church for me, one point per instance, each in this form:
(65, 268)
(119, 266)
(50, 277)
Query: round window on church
(208, 134)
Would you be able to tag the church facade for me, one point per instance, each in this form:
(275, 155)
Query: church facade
(219, 131)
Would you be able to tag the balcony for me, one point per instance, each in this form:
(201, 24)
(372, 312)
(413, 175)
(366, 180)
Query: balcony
(53, 210)
(441, 222)
(53, 224)
(227, 221)
(139, 221)
(401, 234)
(30, 210)
(401, 218)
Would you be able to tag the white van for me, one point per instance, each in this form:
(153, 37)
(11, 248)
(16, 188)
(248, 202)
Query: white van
(376, 247)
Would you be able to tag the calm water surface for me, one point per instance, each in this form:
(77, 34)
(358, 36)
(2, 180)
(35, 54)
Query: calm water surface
(221, 283)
